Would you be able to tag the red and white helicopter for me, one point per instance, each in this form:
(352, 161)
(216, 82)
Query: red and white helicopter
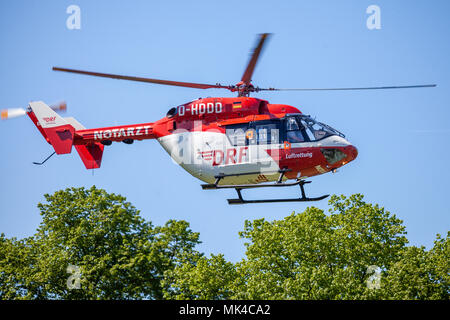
(241, 142)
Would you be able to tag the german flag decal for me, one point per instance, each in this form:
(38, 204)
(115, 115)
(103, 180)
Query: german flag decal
(237, 105)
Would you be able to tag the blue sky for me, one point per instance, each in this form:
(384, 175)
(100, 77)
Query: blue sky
(402, 136)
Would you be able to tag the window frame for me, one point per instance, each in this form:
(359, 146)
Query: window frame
(254, 126)
(301, 127)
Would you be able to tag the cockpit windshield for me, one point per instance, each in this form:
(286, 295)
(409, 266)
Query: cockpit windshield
(318, 130)
(302, 128)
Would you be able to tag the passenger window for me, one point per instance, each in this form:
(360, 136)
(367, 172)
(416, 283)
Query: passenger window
(268, 132)
(262, 132)
(237, 134)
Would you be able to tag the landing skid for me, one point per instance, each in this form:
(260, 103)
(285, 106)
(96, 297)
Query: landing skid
(279, 183)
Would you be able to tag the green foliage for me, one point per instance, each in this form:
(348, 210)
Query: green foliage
(420, 274)
(120, 256)
(202, 278)
(312, 255)
(14, 255)
(306, 255)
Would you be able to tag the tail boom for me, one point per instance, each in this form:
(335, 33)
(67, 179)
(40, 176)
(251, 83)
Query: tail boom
(63, 133)
(117, 133)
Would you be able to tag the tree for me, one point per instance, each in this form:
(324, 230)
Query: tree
(115, 253)
(202, 278)
(14, 255)
(357, 251)
(312, 255)
(420, 274)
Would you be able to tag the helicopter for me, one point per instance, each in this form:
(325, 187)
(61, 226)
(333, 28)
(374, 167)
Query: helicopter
(227, 142)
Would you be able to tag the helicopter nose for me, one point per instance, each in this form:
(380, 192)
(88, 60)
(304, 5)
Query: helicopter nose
(351, 152)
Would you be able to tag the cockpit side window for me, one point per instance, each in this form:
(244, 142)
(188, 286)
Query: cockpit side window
(295, 131)
(291, 124)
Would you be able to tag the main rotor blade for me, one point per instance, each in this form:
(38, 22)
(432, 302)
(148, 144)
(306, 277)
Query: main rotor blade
(148, 80)
(363, 88)
(247, 76)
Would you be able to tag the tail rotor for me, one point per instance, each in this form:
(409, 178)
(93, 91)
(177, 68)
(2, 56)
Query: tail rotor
(18, 112)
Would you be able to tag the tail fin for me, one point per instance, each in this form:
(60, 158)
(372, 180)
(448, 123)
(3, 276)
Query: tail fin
(60, 132)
